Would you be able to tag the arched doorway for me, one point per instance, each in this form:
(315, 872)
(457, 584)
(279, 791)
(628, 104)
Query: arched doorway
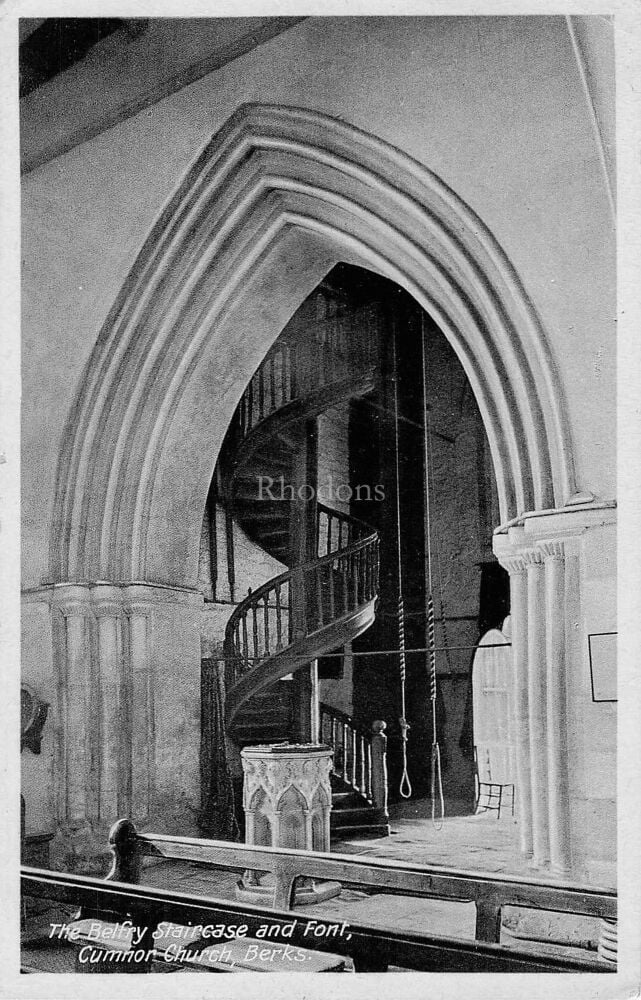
(276, 199)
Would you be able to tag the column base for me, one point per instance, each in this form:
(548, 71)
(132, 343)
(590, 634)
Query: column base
(608, 942)
(541, 864)
(307, 892)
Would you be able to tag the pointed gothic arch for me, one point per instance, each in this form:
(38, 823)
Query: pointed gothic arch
(273, 202)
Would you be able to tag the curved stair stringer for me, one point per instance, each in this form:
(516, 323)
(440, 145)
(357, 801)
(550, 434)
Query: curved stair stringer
(307, 611)
(297, 655)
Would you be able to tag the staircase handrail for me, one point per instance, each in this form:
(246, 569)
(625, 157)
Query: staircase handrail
(257, 597)
(292, 370)
(356, 529)
(359, 755)
(341, 716)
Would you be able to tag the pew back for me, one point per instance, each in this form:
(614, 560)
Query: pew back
(370, 949)
(489, 893)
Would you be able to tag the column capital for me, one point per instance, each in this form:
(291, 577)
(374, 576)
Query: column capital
(552, 549)
(106, 599)
(514, 563)
(106, 607)
(141, 608)
(509, 549)
(74, 609)
(532, 557)
(72, 600)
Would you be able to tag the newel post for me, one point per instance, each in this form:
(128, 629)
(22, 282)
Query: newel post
(127, 857)
(379, 767)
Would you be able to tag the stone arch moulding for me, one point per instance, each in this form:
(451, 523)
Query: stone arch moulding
(271, 172)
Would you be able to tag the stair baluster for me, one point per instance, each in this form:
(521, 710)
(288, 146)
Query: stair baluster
(353, 774)
(330, 591)
(279, 621)
(255, 631)
(359, 766)
(266, 624)
(293, 368)
(272, 382)
(244, 645)
(319, 596)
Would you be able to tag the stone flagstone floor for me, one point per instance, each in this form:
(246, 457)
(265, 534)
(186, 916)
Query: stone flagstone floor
(478, 843)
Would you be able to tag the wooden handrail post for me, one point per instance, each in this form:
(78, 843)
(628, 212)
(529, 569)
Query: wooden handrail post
(488, 920)
(379, 766)
(125, 847)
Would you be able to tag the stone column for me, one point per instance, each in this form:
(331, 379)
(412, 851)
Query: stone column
(275, 828)
(141, 698)
(516, 567)
(537, 705)
(557, 750)
(75, 699)
(250, 826)
(309, 833)
(108, 607)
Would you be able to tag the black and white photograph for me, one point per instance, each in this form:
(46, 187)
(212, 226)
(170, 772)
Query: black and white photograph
(316, 323)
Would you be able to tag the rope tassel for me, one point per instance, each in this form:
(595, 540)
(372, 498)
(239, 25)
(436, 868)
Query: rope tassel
(431, 645)
(405, 789)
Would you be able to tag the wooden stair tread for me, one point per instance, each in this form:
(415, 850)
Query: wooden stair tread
(373, 830)
(355, 814)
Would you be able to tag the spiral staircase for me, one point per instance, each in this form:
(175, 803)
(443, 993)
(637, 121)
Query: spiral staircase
(326, 600)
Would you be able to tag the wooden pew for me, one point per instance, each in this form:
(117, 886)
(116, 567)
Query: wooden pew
(371, 949)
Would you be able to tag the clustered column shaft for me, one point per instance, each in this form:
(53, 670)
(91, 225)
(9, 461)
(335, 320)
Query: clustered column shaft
(538, 610)
(105, 741)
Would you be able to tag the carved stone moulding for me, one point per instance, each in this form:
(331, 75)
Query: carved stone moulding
(287, 799)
